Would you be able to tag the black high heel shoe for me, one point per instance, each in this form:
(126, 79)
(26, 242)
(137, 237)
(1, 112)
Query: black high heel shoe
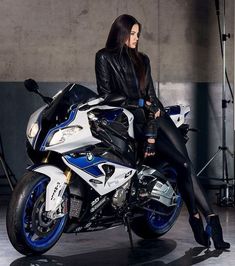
(214, 230)
(200, 234)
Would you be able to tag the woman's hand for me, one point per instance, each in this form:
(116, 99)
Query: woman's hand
(158, 113)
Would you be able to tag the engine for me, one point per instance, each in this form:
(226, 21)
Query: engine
(119, 196)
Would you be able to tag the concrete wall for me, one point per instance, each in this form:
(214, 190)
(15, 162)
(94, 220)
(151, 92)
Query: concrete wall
(56, 40)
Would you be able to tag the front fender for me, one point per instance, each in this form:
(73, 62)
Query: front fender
(55, 188)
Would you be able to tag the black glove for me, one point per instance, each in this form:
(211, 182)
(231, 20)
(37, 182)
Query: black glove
(149, 149)
(152, 108)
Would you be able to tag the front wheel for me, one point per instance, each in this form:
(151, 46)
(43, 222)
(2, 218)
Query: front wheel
(29, 229)
(153, 224)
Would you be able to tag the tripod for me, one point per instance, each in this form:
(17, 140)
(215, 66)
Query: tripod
(8, 174)
(227, 188)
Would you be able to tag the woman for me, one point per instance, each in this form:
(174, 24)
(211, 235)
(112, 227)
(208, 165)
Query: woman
(121, 69)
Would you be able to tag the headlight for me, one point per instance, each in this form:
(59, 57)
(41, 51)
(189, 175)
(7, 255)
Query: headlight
(33, 130)
(61, 135)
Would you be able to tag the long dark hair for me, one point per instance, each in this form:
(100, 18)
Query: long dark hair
(120, 31)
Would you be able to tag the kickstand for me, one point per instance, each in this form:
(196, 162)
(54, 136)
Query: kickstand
(128, 228)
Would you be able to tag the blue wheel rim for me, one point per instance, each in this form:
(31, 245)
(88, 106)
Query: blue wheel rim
(161, 222)
(34, 240)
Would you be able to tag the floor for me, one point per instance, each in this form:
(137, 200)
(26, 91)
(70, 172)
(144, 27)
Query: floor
(111, 247)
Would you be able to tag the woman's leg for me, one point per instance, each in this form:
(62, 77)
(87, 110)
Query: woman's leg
(176, 151)
(166, 150)
(170, 144)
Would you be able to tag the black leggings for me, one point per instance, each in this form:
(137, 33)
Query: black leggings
(170, 145)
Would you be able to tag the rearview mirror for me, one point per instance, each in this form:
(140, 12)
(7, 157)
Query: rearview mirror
(31, 85)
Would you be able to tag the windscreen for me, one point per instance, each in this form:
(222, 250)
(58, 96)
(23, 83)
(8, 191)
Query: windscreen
(72, 96)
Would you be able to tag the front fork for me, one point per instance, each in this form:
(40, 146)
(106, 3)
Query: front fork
(55, 205)
(68, 174)
(61, 201)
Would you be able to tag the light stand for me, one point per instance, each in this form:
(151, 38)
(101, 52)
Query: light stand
(8, 174)
(226, 189)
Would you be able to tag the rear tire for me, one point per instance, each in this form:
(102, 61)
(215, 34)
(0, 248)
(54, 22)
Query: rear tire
(153, 225)
(29, 230)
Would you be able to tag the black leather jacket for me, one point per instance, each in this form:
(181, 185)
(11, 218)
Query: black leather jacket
(115, 73)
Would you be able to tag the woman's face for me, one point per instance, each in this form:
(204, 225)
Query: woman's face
(134, 36)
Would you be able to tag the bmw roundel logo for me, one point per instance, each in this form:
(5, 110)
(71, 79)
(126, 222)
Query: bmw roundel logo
(89, 156)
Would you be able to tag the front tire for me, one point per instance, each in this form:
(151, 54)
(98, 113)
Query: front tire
(28, 228)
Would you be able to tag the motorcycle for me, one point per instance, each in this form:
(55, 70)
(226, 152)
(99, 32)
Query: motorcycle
(86, 174)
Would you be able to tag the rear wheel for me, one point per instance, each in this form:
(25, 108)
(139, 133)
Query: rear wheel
(155, 224)
(29, 229)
